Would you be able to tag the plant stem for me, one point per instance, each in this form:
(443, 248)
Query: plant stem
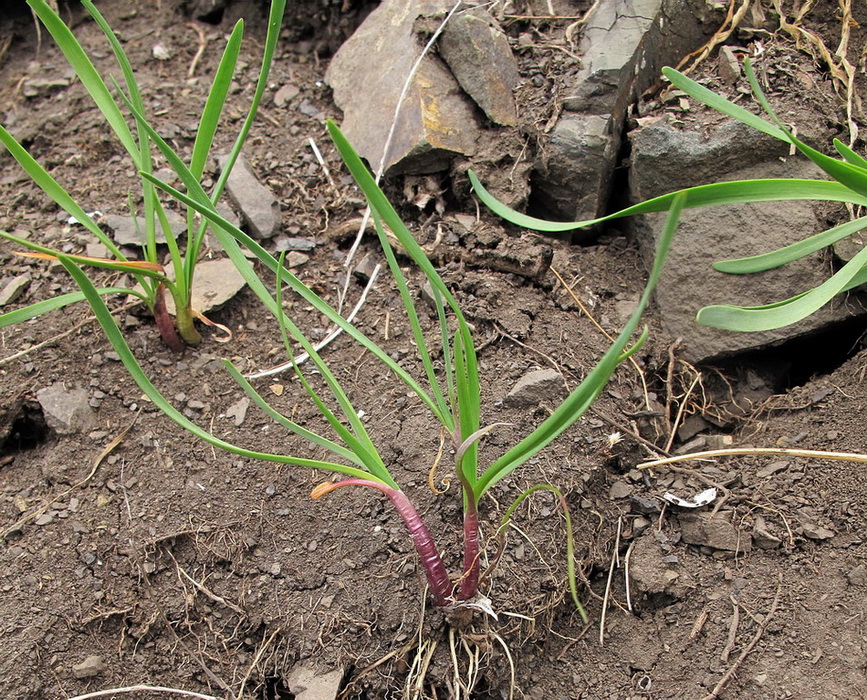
(432, 563)
(185, 324)
(164, 321)
(470, 579)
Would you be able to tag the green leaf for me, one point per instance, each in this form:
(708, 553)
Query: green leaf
(90, 78)
(849, 155)
(577, 403)
(43, 307)
(783, 313)
(721, 104)
(735, 192)
(795, 251)
(115, 337)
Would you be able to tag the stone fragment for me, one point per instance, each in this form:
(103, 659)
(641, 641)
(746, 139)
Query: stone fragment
(728, 66)
(91, 667)
(214, 283)
(623, 47)
(715, 531)
(535, 387)
(648, 571)
(619, 489)
(256, 205)
(41, 87)
(857, 576)
(762, 537)
(66, 411)
(296, 259)
(813, 531)
(479, 56)
(282, 243)
(436, 119)
(285, 94)
(14, 288)
(310, 684)
(129, 231)
(663, 160)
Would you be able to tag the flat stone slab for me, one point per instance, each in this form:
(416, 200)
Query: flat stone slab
(66, 411)
(215, 282)
(256, 205)
(129, 231)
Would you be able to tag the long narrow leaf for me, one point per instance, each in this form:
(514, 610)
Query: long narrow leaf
(117, 341)
(733, 192)
(583, 396)
(785, 313)
(55, 191)
(849, 154)
(721, 104)
(10, 318)
(88, 75)
(795, 251)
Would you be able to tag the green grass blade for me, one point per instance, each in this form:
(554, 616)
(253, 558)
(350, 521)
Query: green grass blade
(290, 425)
(795, 251)
(216, 101)
(849, 155)
(734, 192)
(356, 439)
(783, 313)
(55, 191)
(275, 21)
(43, 307)
(721, 104)
(443, 414)
(229, 235)
(115, 337)
(586, 393)
(90, 78)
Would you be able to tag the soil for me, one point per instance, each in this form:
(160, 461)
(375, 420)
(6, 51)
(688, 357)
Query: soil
(186, 567)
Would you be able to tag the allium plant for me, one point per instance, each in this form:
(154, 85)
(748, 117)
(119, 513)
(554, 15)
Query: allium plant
(849, 186)
(153, 279)
(452, 396)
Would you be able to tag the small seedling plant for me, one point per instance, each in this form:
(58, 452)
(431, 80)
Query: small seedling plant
(451, 396)
(152, 277)
(849, 186)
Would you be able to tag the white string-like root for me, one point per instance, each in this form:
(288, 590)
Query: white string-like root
(741, 451)
(303, 357)
(144, 689)
(614, 564)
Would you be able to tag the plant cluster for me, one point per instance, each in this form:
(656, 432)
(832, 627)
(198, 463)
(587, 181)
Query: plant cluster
(153, 279)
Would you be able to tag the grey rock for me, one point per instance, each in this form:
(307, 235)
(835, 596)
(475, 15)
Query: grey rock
(858, 576)
(215, 282)
(91, 667)
(715, 531)
(619, 489)
(129, 231)
(238, 411)
(623, 46)
(310, 684)
(282, 243)
(762, 537)
(663, 160)
(535, 387)
(41, 87)
(436, 119)
(285, 94)
(478, 53)
(813, 531)
(66, 411)
(256, 205)
(14, 288)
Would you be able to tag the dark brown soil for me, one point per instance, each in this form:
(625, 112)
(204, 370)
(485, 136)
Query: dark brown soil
(185, 567)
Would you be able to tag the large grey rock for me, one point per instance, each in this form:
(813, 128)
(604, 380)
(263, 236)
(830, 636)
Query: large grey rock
(14, 288)
(623, 46)
(258, 208)
(367, 75)
(66, 411)
(478, 53)
(663, 160)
